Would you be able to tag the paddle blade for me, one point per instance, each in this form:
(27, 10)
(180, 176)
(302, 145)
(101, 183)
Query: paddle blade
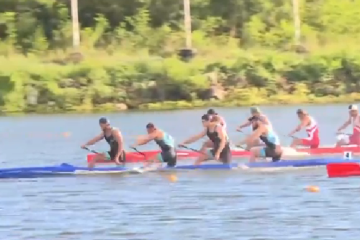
(343, 169)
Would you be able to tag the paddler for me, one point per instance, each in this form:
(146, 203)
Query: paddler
(217, 134)
(354, 118)
(209, 144)
(114, 138)
(272, 148)
(311, 128)
(255, 112)
(165, 142)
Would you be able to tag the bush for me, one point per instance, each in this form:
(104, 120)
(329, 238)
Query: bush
(172, 84)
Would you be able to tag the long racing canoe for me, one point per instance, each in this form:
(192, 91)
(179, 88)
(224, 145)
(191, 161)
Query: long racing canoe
(70, 170)
(185, 154)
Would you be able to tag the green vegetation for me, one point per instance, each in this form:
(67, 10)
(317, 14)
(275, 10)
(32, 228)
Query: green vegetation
(245, 54)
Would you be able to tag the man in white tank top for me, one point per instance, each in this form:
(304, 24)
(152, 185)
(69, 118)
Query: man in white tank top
(311, 128)
(354, 119)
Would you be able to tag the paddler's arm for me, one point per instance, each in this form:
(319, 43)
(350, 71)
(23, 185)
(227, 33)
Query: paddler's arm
(94, 140)
(222, 136)
(347, 123)
(118, 137)
(246, 124)
(254, 135)
(146, 139)
(301, 125)
(194, 138)
(222, 122)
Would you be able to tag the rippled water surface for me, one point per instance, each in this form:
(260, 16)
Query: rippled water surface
(214, 205)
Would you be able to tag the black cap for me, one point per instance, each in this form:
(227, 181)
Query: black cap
(104, 120)
(150, 125)
(300, 111)
(353, 107)
(211, 112)
(206, 117)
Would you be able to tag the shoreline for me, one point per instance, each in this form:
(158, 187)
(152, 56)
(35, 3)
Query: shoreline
(287, 100)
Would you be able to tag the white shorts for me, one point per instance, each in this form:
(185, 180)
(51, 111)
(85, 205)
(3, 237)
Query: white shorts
(344, 138)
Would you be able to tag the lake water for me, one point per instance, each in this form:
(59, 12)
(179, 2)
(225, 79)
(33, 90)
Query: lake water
(200, 205)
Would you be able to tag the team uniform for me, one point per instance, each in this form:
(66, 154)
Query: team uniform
(354, 139)
(225, 155)
(254, 127)
(114, 148)
(272, 142)
(168, 151)
(313, 139)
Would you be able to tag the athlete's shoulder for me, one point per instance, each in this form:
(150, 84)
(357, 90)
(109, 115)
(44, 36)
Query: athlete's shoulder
(115, 129)
(264, 118)
(312, 119)
(160, 133)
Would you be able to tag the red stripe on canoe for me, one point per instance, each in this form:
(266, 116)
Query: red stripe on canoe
(183, 154)
(330, 150)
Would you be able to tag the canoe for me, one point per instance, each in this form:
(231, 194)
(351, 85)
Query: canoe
(70, 170)
(185, 154)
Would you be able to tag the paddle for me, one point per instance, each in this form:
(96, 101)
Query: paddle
(239, 146)
(90, 150)
(170, 177)
(141, 153)
(191, 149)
(139, 169)
(294, 137)
(343, 169)
(341, 133)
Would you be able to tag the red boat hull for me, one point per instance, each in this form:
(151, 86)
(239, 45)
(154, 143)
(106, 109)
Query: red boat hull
(184, 154)
(338, 170)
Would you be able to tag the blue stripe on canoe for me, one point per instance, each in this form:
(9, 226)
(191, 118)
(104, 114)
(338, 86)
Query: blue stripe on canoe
(66, 169)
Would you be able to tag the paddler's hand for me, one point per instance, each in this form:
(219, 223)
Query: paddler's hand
(83, 146)
(181, 145)
(239, 129)
(117, 161)
(133, 146)
(240, 143)
(217, 156)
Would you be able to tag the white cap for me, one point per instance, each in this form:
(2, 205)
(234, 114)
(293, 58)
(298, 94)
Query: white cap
(353, 107)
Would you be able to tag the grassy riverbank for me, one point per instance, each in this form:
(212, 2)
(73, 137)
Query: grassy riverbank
(113, 83)
(128, 58)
